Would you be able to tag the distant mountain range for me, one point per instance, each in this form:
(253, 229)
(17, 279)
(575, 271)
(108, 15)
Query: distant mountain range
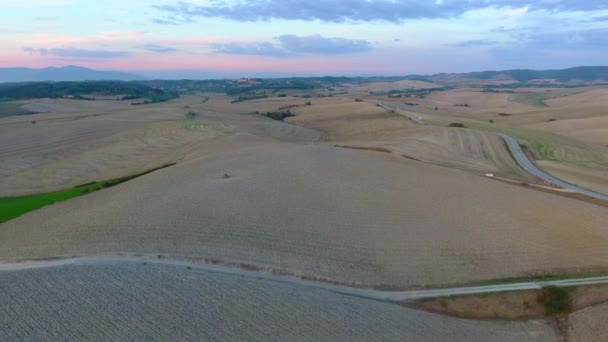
(570, 76)
(67, 73)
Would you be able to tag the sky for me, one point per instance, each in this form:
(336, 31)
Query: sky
(293, 37)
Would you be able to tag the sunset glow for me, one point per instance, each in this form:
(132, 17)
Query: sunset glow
(293, 37)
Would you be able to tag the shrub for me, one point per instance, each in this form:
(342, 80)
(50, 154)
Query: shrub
(279, 115)
(358, 100)
(457, 124)
(557, 300)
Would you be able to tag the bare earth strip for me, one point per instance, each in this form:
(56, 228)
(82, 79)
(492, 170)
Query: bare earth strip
(349, 216)
(133, 301)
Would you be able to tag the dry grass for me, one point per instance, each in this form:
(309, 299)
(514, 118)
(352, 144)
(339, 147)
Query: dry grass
(511, 305)
(588, 178)
(339, 214)
(387, 86)
(364, 124)
(521, 305)
(593, 130)
(65, 149)
(309, 209)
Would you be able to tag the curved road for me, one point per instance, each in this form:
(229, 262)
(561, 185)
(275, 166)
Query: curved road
(388, 296)
(520, 158)
(527, 165)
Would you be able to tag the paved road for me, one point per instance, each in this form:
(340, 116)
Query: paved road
(521, 159)
(524, 162)
(389, 296)
(408, 115)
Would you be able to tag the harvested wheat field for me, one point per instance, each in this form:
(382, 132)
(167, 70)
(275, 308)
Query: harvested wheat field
(589, 324)
(388, 86)
(133, 301)
(363, 124)
(349, 216)
(466, 149)
(592, 130)
(47, 152)
(518, 107)
(588, 178)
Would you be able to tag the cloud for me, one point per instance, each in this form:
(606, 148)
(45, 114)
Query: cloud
(254, 49)
(596, 19)
(291, 45)
(474, 42)
(46, 19)
(317, 44)
(542, 46)
(518, 53)
(164, 21)
(362, 10)
(158, 48)
(590, 39)
(72, 52)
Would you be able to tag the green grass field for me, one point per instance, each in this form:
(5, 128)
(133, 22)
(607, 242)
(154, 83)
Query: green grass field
(533, 99)
(538, 99)
(13, 207)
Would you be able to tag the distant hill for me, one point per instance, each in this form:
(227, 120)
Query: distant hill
(563, 75)
(68, 73)
(566, 77)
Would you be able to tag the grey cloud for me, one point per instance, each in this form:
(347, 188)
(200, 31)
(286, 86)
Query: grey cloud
(256, 49)
(519, 53)
(172, 20)
(158, 48)
(592, 39)
(596, 19)
(362, 10)
(540, 46)
(72, 52)
(317, 44)
(164, 22)
(290, 45)
(474, 42)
